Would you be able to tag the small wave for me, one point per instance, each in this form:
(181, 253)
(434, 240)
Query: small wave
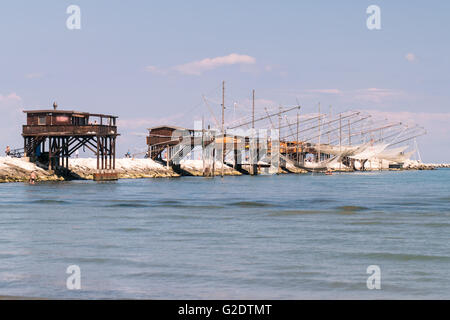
(437, 225)
(131, 229)
(351, 209)
(50, 201)
(190, 206)
(95, 260)
(149, 274)
(128, 205)
(408, 203)
(366, 223)
(322, 200)
(295, 212)
(165, 202)
(406, 257)
(250, 204)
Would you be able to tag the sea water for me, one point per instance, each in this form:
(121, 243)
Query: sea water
(246, 237)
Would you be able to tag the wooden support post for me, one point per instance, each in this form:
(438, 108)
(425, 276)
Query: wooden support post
(349, 135)
(98, 152)
(114, 153)
(167, 157)
(237, 161)
(223, 129)
(50, 153)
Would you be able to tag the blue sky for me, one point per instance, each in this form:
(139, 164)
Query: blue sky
(149, 62)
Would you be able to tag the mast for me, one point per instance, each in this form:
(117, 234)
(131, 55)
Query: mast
(223, 122)
(203, 144)
(349, 135)
(340, 141)
(253, 110)
(318, 150)
(330, 117)
(297, 158)
(279, 127)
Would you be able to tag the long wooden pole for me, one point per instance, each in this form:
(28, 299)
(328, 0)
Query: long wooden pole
(340, 140)
(330, 117)
(349, 135)
(279, 128)
(223, 122)
(203, 144)
(253, 109)
(318, 151)
(98, 152)
(297, 137)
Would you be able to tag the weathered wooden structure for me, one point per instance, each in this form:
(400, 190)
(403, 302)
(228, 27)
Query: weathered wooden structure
(52, 136)
(164, 137)
(172, 142)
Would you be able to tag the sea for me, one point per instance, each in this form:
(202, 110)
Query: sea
(361, 235)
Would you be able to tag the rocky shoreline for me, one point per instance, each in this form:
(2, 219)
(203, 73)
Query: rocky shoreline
(19, 170)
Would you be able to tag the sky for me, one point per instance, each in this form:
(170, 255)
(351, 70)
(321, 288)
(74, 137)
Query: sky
(150, 62)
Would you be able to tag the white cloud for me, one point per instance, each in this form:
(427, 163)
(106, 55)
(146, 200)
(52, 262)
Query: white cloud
(155, 70)
(10, 97)
(411, 57)
(198, 67)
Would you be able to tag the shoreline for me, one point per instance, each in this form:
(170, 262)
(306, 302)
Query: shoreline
(19, 169)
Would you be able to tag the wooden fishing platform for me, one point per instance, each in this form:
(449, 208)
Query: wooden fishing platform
(51, 137)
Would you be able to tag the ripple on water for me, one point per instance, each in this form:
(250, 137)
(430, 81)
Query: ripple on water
(130, 229)
(128, 205)
(250, 204)
(408, 203)
(351, 209)
(367, 223)
(50, 201)
(296, 212)
(169, 202)
(406, 257)
(191, 206)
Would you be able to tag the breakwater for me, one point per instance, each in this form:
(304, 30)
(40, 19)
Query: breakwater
(19, 170)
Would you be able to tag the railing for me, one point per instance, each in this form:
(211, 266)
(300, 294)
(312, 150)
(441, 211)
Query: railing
(94, 129)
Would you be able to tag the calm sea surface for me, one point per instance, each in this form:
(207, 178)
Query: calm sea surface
(279, 237)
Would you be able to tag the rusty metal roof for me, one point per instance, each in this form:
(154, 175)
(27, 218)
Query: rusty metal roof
(168, 127)
(71, 112)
